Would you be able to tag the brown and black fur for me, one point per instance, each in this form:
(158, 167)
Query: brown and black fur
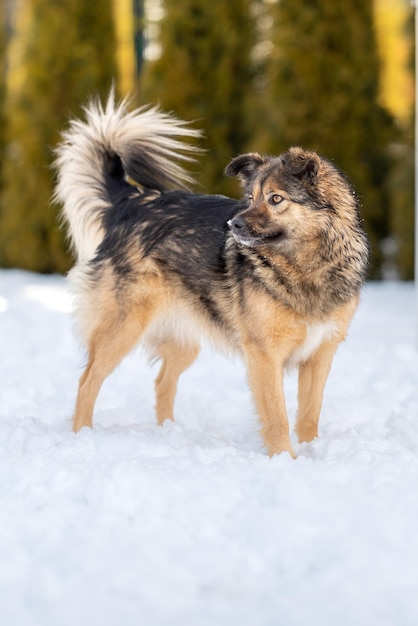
(275, 276)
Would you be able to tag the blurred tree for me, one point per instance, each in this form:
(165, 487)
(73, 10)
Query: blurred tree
(402, 181)
(68, 53)
(401, 242)
(323, 79)
(3, 37)
(204, 75)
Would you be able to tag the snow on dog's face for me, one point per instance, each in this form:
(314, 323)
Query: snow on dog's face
(298, 204)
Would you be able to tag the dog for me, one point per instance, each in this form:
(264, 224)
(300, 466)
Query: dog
(275, 276)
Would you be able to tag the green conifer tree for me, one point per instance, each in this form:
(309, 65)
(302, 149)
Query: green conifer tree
(204, 75)
(68, 55)
(323, 79)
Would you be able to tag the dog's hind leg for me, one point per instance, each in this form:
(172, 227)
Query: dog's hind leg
(176, 358)
(265, 375)
(113, 335)
(313, 375)
(107, 347)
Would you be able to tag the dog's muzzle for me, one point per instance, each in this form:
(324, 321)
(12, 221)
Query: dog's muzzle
(242, 233)
(245, 236)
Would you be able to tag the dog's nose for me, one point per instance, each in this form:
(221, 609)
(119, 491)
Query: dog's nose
(237, 223)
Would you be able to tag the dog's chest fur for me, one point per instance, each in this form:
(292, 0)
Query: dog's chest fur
(316, 334)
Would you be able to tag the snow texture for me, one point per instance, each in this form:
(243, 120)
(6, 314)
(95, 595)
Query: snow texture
(192, 523)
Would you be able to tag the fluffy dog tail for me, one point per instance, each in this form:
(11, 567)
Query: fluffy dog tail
(143, 145)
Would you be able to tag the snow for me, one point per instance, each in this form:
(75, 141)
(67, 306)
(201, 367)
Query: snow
(192, 523)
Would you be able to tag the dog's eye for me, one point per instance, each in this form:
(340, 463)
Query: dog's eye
(276, 198)
(250, 197)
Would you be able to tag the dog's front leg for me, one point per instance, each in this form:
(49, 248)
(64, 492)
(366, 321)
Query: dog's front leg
(313, 375)
(265, 375)
(177, 358)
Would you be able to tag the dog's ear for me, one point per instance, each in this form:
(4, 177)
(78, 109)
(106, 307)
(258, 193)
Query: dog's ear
(309, 171)
(244, 166)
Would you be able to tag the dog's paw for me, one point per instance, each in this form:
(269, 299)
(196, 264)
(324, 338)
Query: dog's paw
(281, 447)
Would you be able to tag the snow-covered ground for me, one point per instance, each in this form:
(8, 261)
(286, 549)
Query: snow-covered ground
(192, 524)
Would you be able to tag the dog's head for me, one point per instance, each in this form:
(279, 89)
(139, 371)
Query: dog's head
(291, 200)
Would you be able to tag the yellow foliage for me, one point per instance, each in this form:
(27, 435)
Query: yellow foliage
(397, 87)
(124, 29)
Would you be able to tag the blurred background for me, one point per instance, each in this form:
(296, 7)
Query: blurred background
(257, 75)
